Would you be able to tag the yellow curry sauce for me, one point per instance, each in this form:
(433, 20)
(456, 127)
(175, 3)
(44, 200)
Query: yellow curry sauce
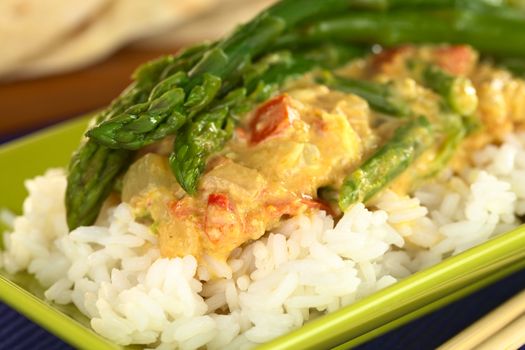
(306, 138)
(295, 143)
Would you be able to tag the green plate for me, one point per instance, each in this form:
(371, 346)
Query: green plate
(389, 308)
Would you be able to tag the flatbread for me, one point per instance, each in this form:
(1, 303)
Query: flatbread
(121, 22)
(211, 25)
(29, 26)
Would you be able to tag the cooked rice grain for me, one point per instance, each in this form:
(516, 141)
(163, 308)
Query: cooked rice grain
(113, 272)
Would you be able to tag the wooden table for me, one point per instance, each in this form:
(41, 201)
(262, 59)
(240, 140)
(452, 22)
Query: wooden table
(30, 104)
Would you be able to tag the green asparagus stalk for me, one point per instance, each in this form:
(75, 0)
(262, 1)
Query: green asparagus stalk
(453, 134)
(165, 111)
(225, 58)
(460, 96)
(407, 144)
(513, 64)
(210, 131)
(196, 141)
(507, 9)
(92, 172)
(234, 52)
(458, 92)
(454, 130)
(93, 168)
(487, 32)
(381, 97)
(224, 63)
(228, 56)
(144, 113)
(510, 8)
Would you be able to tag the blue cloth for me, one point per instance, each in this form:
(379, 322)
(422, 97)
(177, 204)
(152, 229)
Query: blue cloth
(436, 328)
(17, 332)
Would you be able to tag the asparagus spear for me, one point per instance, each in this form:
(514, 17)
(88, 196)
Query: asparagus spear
(381, 97)
(93, 168)
(513, 64)
(457, 91)
(460, 96)
(165, 111)
(210, 131)
(196, 141)
(407, 144)
(489, 33)
(227, 57)
(453, 134)
(455, 129)
(224, 62)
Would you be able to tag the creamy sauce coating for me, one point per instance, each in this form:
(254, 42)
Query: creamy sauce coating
(304, 139)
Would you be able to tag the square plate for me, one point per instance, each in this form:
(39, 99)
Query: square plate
(391, 307)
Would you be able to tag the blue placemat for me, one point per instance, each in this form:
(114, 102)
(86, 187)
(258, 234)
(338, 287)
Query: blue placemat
(436, 328)
(17, 332)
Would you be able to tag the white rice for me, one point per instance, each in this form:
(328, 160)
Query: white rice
(114, 275)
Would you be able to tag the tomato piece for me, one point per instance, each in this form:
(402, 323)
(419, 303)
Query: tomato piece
(219, 199)
(220, 219)
(456, 59)
(272, 118)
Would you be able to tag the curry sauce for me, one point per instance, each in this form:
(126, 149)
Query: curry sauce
(304, 139)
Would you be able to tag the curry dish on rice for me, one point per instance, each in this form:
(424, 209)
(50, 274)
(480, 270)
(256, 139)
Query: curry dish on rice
(321, 152)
